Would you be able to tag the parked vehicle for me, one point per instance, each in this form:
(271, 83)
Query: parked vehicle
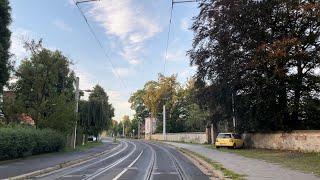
(230, 140)
(92, 138)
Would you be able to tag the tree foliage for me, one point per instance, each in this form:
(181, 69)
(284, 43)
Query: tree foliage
(179, 102)
(96, 113)
(5, 34)
(264, 54)
(137, 103)
(44, 88)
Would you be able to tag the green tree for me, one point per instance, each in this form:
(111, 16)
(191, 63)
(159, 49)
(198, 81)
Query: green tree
(96, 113)
(195, 118)
(5, 34)
(164, 92)
(45, 88)
(263, 54)
(133, 126)
(137, 104)
(126, 122)
(182, 112)
(114, 127)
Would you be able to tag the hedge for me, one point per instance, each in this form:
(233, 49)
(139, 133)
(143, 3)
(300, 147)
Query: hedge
(20, 141)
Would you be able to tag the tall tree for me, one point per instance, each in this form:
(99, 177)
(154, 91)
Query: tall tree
(96, 113)
(126, 122)
(260, 56)
(137, 104)
(44, 85)
(182, 112)
(5, 34)
(163, 92)
(195, 118)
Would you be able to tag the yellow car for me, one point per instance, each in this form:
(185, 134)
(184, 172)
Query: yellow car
(230, 140)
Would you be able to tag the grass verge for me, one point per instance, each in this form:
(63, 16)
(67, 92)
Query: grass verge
(86, 146)
(306, 162)
(227, 173)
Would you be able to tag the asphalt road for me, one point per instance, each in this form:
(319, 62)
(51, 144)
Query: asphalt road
(23, 166)
(133, 160)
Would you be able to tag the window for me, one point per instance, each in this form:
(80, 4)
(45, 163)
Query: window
(224, 135)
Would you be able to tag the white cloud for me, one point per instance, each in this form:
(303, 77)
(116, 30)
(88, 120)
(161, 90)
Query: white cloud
(130, 53)
(123, 72)
(62, 25)
(128, 22)
(69, 2)
(184, 24)
(176, 55)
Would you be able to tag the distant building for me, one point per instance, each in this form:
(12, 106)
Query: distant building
(150, 125)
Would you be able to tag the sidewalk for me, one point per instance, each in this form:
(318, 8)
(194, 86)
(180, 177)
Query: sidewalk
(253, 169)
(23, 166)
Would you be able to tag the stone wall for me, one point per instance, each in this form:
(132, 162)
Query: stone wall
(183, 137)
(306, 141)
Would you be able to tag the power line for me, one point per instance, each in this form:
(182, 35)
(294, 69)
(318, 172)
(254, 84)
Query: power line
(169, 30)
(168, 37)
(96, 38)
(183, 1)
(78, 2)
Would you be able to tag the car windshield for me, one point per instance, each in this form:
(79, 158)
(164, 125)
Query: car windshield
(224, 136)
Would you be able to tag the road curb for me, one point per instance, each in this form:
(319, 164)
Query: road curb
(216, 173)
(59, 166)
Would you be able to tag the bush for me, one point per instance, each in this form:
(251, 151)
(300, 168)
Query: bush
(21, 141)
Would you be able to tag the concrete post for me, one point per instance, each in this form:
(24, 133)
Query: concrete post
(164, 122)
(76, 110)
(212, 134)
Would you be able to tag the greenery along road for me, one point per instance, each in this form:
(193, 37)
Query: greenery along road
(260, 57)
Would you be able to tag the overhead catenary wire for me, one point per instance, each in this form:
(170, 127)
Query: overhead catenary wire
(169, 30)
(168, 38)
(99, 42)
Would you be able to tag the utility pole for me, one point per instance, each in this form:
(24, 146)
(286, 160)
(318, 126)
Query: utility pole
(123, 129)
(76, 110)
(164, 122)
(139, 129)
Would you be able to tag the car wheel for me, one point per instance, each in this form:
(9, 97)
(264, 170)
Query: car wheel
(234, 146)
(218, 147)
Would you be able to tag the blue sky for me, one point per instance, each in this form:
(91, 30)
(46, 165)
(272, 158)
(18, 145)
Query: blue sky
(133, 32)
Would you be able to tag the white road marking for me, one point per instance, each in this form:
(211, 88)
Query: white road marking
(112, 165)
(125, 170)
(42, 176)
(83, 167)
